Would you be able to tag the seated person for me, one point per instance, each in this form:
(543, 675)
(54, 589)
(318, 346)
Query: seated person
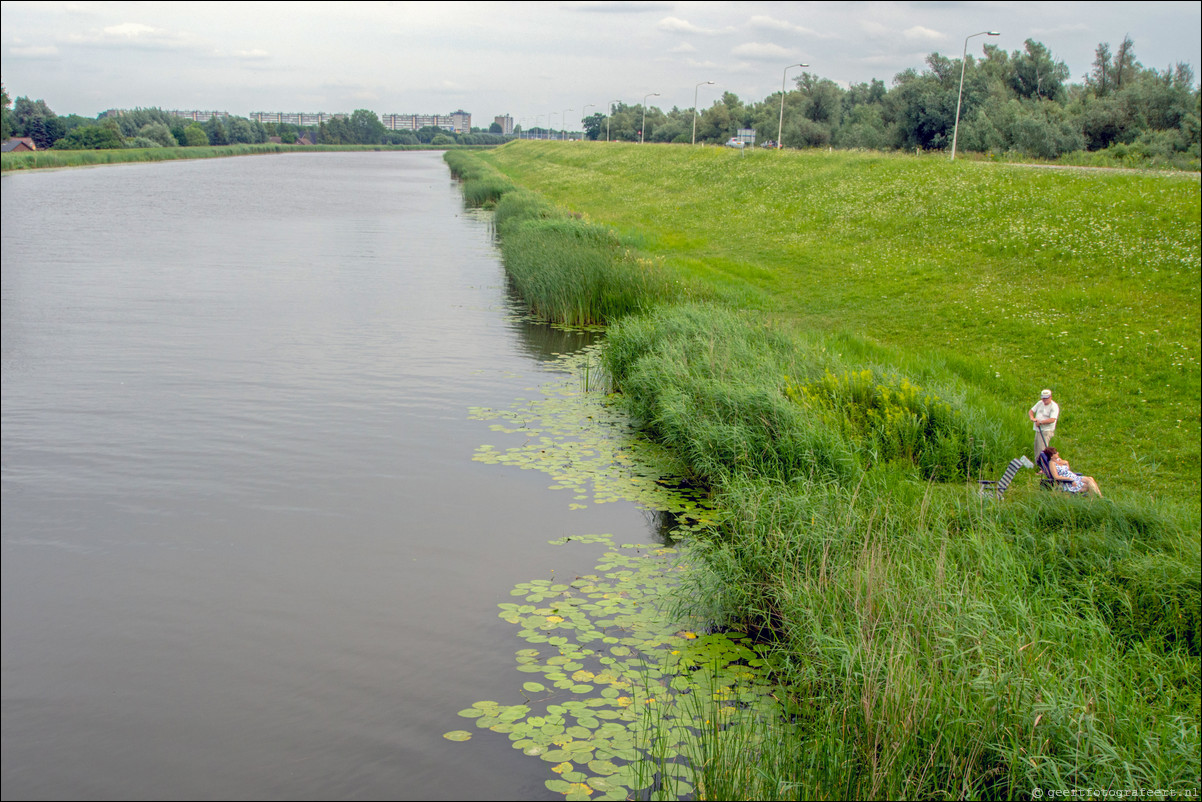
(1066, 479)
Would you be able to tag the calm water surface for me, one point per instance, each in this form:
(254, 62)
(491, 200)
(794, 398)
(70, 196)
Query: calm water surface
(246, 552)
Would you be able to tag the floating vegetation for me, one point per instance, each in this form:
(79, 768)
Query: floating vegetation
(583, 442)
(623, 699)
(620, 696)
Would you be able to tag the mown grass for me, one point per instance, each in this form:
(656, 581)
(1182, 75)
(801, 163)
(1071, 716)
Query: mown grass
(873, 332)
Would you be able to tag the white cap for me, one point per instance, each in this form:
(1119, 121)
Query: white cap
(1046, 394)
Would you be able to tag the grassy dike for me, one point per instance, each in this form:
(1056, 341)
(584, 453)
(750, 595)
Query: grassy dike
(837, 345)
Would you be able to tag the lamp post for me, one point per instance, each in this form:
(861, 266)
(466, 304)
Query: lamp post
(643, 129)
(963, 63)
(537, 117)
(695, 88)
(608, 116)
(780, 127)
(550, 130)
(563, 120)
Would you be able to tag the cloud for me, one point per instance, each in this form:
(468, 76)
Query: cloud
(252, 55)
(919, 33)
(762, 50)
(34, 51)
(136, 35)
(771, 23)
(678, 25)
(683, 47)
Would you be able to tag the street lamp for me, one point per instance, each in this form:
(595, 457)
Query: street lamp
(963, 62)
(781, 125)
(643, 130)
(695, 88)
(608, 116)
(563, 120)
(550, 130)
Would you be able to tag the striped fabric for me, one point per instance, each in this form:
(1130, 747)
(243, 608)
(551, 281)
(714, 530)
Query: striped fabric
(998, 488)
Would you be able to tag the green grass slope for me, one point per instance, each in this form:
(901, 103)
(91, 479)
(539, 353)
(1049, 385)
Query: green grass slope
(1021, 277)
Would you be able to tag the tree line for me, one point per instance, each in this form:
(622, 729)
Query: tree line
(1019, 102)
(155, 128)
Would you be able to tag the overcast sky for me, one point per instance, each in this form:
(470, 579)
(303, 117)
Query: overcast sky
(524, 58)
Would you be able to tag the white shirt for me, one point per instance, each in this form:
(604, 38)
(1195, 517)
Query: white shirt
(1046, 409)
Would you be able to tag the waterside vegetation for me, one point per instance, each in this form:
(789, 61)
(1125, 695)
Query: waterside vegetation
(837, 346)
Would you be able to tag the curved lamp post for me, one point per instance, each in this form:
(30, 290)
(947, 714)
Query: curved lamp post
(563, 120)
(550, 130)
(698, 86)
(643, 130)
(963, 63)
(608, 116)
(780, 127)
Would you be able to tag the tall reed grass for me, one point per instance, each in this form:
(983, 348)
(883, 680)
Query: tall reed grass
(567, 269)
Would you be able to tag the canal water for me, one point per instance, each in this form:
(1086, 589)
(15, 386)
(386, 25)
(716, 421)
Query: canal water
(246, 550)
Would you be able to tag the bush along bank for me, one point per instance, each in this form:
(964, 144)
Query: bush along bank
(933, 643)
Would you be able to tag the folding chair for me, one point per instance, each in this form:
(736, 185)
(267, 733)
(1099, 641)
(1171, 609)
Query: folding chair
(1046, 480)
(997, 487)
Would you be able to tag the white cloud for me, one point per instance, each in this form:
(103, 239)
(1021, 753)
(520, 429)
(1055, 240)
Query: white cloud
(761, 50)
(771, 23)
(35, 51)
(919, 33)
(683, 47)
(131, 30)
(252, 55)
(678, 25)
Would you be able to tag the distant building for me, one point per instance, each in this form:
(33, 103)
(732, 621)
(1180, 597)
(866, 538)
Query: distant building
(462, 122)
(299, 118)
(197, 116)
(19, 144)
(506, 123)
(414, 122)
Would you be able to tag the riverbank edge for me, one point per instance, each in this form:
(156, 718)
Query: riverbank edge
(978, 758)
(62, 159)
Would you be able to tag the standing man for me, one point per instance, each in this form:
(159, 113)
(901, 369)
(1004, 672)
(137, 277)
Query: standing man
(1043, 415)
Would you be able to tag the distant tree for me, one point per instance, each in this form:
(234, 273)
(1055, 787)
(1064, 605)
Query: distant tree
(159, 133)
(240, 131)
(32, 118)
(495, 128)
(1034, 74)
(441, 139)
(105, 136)
(1125, 65)
(215, 131)
(195, 136)
(287, 133)
(1101, 78)
(365, 128)
(6, 126)
(594, 126)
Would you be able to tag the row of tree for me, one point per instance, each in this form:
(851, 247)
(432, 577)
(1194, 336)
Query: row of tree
(1019, 102)
(154, 128)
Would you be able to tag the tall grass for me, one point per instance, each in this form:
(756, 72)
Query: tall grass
(52, 159)
(934, 643)
(567, 269)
